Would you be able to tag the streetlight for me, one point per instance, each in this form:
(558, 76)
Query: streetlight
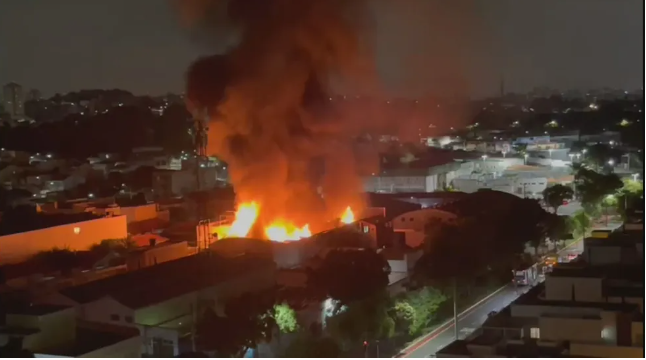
(635, 177)
(484, 159)
(525, 156)
(504, 153)
(584, 151)
(571, 157)
(611, 162)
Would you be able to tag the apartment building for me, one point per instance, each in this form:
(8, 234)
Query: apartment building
(591, 307)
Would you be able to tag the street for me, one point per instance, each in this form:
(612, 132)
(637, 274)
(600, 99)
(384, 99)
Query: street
(473, 317)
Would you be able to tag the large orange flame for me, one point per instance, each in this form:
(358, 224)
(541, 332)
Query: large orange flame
(348, 216)
(246, 216)
(278, 230)
(284, 231)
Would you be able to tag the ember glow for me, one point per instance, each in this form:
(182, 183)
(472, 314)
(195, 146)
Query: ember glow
(348, 216)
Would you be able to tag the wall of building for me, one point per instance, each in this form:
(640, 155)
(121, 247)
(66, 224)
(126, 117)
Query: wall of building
(76, 236)
(418, 219)
(158, 254)
(55, 328)
(585, 289)
(605, 351)
(392, 184)
(573, 329)
(139, 213)
(637, 333)
(129, 348)
(534, 311)
(412, 238)
(107, 310)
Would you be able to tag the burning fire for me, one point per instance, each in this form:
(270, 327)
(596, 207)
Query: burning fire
(283, 231)
(279, 230)
(348, 216)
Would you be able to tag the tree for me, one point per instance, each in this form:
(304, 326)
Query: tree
(580, 223)
(555, 195)
(248, 320)
(366, 319)
(425, 303)
(598, 155)
(308, 346)
(57, 259)
(285, 318)
(352, 275)
(404, 315)
(593, 187)
(630, 195)
(120, 246)
(559, 229)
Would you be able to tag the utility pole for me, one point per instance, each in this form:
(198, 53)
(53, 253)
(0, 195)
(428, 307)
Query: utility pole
(200, 141)
(455, 307)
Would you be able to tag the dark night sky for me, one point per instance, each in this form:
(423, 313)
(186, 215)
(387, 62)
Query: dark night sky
(421, 45)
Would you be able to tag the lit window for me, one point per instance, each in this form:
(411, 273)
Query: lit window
(77, 230)
(535, 333)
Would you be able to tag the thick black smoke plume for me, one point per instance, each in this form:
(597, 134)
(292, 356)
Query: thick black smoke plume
(267, 100)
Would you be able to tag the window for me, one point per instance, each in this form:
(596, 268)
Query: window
(535, 333)
(128, 319)
(114, 317)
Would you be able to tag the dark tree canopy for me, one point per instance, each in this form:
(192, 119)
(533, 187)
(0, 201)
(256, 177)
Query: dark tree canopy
(352, 275)
(248, 320)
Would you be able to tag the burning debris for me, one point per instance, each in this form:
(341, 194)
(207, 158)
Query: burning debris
(266, 102)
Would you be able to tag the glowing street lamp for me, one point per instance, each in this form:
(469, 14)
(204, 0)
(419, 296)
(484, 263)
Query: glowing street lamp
(635, 177)
(611, 162)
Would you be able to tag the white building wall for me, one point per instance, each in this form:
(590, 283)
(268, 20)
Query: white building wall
(417, 220)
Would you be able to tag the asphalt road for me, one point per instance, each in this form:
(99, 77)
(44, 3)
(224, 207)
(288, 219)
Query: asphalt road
(472, 318)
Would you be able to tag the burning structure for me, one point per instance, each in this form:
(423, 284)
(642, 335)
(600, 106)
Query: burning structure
(265, 100)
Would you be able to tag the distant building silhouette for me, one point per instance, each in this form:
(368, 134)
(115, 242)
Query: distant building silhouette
(12, 100)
